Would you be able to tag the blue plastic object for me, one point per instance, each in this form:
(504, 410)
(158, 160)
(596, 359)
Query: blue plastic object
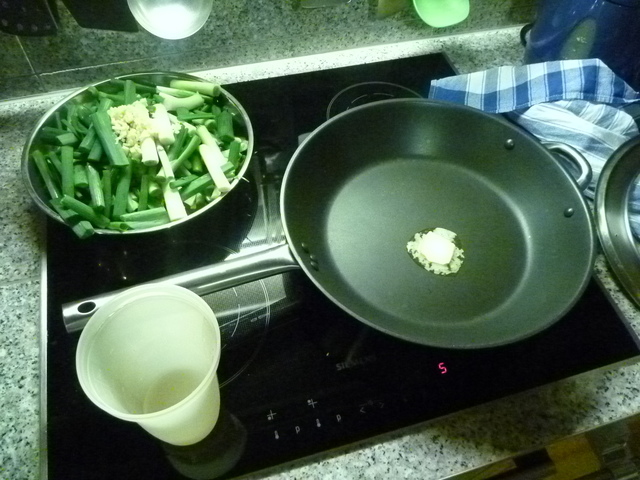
(604, 29)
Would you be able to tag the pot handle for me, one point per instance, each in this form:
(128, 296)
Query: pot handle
(576, 158)
(202, 281)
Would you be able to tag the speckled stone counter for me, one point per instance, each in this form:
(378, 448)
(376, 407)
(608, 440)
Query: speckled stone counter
(238, 32)
(439, 449)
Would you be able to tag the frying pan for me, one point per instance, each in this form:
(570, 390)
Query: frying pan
(363, 183)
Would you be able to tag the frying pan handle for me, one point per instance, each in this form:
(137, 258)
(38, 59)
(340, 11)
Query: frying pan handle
(576, 158)
(202, 281)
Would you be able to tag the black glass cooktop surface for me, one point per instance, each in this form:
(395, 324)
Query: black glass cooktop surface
(297, 373)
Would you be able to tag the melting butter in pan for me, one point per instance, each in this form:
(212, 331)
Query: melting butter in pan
(437, 250)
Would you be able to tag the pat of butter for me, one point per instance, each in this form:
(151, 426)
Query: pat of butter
(436, 248)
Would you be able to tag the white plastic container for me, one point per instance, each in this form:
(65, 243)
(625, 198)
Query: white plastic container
(171, 19)
(150, 356)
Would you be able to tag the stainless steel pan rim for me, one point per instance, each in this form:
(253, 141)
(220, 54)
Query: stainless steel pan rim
(613, 190)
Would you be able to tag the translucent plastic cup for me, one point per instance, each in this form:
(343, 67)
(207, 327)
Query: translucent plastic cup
(150, 356)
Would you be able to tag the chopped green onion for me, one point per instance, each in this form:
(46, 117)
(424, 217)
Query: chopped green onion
(181, 182)
(189, 150)
(95, 188)
(80, 179)
(134, 225)
(107, 191)
(87, 142)
(57, 120)
(129, 92)
(178, 145)
(197, 186)
(55, 161)
(205, 136)
(234, 153)
(153, 214)
(82, 228)
(224, 126)
(105, 104)
(73, 120)
(95, 154)
(176, 92)
(66, 159)
(132, 202)
(206, 88)
(116, 99)
(68, 216)
(121, 198)
(163, 125)
(172, 103)
(84, 112)
(66, 138)
(155, 191)
(85, 211)
(211, 158)
(172, 199)
(227, 168)
(113, 149)
(143, 197)
(196, 201)
(139, 86)
(53, 131)
(149, 152)
(45, 173)
(185, 115)
(197, 165)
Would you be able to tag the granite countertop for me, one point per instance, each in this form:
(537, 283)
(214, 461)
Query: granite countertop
(439, 449)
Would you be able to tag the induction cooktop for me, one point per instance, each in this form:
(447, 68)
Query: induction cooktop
(298, 375)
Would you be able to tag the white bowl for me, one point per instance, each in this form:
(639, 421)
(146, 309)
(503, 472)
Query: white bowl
(171, 19)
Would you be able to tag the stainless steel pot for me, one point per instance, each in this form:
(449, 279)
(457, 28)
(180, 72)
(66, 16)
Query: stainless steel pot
(33, 181)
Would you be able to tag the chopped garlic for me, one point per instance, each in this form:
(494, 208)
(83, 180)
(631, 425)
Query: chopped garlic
(132, 124)
(436, 251)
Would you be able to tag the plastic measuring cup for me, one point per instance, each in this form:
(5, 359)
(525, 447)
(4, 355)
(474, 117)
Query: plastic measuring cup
(150, 356)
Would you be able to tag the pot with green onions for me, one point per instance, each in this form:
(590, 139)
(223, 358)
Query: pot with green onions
(137, 153)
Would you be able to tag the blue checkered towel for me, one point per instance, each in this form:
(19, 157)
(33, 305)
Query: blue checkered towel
(576, 102)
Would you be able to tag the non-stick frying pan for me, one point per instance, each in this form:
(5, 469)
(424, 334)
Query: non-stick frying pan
(362, 184)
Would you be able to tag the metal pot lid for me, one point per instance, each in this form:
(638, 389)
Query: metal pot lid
(620, 246)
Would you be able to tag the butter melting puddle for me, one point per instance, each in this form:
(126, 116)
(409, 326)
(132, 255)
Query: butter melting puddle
(437, 250)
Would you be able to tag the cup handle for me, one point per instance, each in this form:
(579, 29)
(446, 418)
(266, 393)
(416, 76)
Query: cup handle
(576, 158)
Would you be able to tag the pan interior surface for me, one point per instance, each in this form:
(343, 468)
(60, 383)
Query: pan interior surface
(364, 184)
(365, 246)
